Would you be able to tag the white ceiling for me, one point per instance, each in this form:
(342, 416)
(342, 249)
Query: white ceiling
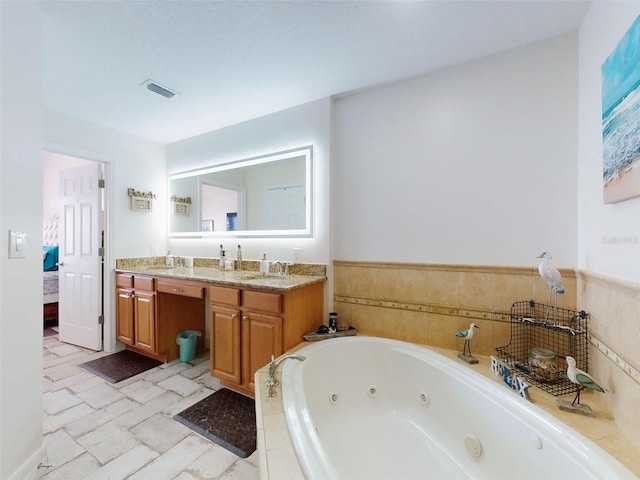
(230, 61)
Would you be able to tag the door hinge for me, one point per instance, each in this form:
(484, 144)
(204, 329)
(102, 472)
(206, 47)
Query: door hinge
(101, 251)
(101, 320)
(101, 183)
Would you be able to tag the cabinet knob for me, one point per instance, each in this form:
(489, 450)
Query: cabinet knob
(234, 316)
(244, 317)
(178, 290)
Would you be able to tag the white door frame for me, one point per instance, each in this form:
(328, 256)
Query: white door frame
(109, 343)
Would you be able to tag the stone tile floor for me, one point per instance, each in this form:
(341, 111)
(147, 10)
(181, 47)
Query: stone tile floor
(94, 430)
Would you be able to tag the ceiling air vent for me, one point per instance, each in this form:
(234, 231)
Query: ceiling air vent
(159, 89)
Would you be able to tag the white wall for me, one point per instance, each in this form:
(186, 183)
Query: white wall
(51, 165)
(608, 235)
(295, 127)
(131, 163)
(476, 164)
(21, 446)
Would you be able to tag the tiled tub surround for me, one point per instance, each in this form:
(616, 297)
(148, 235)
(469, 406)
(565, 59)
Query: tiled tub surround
(277, 458)
(428, 304)
(614, 356)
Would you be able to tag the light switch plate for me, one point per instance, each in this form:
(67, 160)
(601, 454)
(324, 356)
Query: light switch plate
(17, 244)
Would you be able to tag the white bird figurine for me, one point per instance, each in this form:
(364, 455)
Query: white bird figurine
(581, 379)
(552, 276)
(467, 335)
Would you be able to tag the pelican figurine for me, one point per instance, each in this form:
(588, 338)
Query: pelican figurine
(552, 276)
(467, 335)
(581, 379)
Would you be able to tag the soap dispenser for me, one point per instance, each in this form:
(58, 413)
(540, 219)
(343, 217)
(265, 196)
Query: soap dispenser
(264, 264)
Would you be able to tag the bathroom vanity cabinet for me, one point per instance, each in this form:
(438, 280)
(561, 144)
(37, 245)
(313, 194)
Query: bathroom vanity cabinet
(151, 312)
(136, 312)
(248, 317)
(248, 327)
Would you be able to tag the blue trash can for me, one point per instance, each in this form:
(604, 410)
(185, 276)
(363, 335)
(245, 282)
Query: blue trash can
(187, 342)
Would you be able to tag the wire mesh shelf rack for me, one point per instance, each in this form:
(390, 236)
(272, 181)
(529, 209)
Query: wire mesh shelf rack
(541, 337)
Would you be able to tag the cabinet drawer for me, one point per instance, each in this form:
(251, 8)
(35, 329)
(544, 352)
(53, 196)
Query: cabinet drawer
(143, 283)
(227, 296)
(124, 280)
(266, 302)
(179, 289)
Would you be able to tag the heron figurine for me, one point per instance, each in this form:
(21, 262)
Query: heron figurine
(552, 276)
(581, 379)
(466, 348)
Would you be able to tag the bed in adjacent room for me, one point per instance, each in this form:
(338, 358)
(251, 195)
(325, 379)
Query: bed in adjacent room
(50, 270)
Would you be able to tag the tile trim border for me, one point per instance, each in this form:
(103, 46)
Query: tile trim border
(616, 359)
(631, 288)
(602, 347)
(425, 308)
(497, 269)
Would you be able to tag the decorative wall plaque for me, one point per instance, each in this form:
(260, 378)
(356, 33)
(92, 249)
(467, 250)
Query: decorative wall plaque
(141, 201)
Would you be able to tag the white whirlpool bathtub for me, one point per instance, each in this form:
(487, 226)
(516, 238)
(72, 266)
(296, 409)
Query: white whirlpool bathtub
(373, 408)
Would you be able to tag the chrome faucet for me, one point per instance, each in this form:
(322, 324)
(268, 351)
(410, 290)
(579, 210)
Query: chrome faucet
(282, 269)
(272, 382)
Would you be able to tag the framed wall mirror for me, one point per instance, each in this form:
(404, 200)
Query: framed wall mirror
(265, 196)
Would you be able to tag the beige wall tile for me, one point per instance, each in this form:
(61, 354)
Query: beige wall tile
(344, 312)
(614, 309)
(367, 320)
(614, 312)
(405, 325)
(482, 342)
(512, 288)
(568, 300)
(341, 280)
(408, 326)
(404, 285)
(477, 290)
(363, 281)
(442, 332)
(444, 287)
(621, 397)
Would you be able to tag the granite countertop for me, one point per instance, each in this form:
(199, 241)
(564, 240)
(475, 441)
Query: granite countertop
(234, 278)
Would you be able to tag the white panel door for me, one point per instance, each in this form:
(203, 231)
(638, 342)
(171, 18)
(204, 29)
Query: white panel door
(286, 207)
(80, 297)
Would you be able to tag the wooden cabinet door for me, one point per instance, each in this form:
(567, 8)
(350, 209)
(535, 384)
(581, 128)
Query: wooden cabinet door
(124, 316)
(145, 321)
(262, 337)
(225, 343)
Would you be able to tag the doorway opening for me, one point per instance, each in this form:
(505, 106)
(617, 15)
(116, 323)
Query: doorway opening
(74, 233)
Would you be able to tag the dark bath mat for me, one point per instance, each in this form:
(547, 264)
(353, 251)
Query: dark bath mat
(226, 418)
(48, 332)
(120, 366)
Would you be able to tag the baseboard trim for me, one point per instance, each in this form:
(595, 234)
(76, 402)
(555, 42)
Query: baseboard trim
(29, 469)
